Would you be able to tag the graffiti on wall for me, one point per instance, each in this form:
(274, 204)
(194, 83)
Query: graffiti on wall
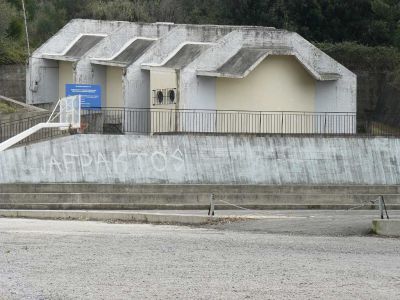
(114, 163)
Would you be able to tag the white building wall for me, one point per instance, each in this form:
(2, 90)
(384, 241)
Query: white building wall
(40, 68)
(199, 92)
(337, 96)
(42, 81)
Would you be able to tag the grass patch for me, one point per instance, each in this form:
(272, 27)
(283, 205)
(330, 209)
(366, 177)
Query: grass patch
(7, 109)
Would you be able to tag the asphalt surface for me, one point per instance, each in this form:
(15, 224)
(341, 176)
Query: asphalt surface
(92, 260)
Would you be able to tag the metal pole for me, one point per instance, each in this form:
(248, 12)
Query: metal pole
(381, 206)
(211, 211)
(26, 29)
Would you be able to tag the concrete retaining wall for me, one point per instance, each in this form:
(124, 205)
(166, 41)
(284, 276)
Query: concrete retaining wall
(204, 160)
(13, 81)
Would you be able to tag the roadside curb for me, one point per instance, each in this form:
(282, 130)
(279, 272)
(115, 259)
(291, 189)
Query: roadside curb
(386, 227)
(127, 216)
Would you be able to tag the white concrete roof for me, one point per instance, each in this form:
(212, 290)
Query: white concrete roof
(248, 58)
(77, 48)
(122, 43)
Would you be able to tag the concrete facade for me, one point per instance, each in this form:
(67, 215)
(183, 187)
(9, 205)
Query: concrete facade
(205, 160)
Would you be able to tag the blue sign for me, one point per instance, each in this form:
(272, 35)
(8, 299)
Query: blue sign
(90, 94)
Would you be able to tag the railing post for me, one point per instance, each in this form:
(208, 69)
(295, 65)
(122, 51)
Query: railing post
(170, 120)
(123, 121)
(216, 122)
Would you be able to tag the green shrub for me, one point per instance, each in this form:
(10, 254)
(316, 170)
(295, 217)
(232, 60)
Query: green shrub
(5, 108)
(12, 52)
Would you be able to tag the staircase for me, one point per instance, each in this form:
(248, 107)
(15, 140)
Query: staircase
(121, 197)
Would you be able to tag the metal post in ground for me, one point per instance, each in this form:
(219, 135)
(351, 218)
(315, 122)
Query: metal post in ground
(211, 211)
(382, 208)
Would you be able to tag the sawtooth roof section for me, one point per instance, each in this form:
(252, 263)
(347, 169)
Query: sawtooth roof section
(128, 55)
(78, 49)
(83, 45)
(242, 61)
(248, 58)
(185, 56)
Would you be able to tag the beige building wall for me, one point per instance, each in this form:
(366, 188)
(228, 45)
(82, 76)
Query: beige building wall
(164, 118)
(65, 75)
(162, 79)
(279, 83)
(114, 96)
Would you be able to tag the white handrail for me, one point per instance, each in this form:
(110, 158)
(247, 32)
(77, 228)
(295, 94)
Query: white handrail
(65, 108)
(19, 137)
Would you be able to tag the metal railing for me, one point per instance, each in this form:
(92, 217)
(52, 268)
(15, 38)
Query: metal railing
(164, 121)
(14, 127)
(173, 121)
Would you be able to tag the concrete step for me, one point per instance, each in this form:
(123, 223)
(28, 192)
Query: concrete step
(163, 196)
(185, 200)
(192, 198)
(145, 206)
(198, 188)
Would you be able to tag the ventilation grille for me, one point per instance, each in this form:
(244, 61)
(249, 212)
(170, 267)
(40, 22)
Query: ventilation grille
(164, 96)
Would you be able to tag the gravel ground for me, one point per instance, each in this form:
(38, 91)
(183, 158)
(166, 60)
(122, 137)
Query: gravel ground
(92, 260)
(309, 222)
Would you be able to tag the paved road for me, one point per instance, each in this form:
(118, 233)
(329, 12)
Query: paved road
(92, 260)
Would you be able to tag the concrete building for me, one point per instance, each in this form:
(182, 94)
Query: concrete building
(164, 67)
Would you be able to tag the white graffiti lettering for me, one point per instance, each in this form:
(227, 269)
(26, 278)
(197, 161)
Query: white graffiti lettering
(115, 164)
(159, 161)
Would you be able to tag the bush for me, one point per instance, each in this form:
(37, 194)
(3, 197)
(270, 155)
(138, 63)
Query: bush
(7, 109)
(12, 52)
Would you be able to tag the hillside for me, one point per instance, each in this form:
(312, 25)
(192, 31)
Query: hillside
(363, 35)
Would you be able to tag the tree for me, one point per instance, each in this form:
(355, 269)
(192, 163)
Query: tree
(15, 29)
(7, 14)
(48, 20)
(123, 10)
